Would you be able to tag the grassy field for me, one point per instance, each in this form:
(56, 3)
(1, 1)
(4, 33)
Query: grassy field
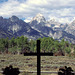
(29, 63)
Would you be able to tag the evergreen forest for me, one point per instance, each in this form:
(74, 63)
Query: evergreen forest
(19, 44)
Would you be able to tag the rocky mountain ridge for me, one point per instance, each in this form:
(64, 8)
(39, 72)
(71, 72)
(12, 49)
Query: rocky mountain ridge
(40, 20)
(53, 29)
(71, 28)
(17, 27)
(36, 28)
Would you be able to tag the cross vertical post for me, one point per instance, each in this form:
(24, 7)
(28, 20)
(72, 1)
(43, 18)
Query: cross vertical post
(38, 57)
(38, 54)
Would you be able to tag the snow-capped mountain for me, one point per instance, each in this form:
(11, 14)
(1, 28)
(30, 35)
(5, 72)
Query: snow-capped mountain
(51, 28)
(55, 25)
(38, 19)
(38, 22)
(36, 28)
(71, 28)
(17, 27)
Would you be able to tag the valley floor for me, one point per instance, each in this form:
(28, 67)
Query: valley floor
(29, 63)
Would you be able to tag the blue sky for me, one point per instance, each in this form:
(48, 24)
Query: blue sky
(60, 10)
(3, 1)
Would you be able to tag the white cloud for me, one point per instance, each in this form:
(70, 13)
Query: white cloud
(60, 9)
(65, 20)
(62, 19)
(28, 19)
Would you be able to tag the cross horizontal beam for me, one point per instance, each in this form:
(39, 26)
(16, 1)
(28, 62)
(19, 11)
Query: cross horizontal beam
(46, 54)
(41, 54)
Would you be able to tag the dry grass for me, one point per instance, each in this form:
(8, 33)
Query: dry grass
(29, 63)
(20, 61)
(53, 63)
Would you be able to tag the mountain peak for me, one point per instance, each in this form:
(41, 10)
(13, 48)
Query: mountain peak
(1, 17)
(38, 18)
(14, 18)
(73, 22)
(53, 20)
(39, 14)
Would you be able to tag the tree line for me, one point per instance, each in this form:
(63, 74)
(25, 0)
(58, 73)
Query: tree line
(50, 45)
(47, 45)
(16, 44)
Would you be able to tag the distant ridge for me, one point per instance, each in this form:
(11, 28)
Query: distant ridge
(36, 28)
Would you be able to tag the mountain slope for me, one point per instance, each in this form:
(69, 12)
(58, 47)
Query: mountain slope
(52, 28)
(38, 27)
(17, 27)
(71, 28)
(39, 20)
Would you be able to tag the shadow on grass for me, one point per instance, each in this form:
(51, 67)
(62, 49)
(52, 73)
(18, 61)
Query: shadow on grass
(10, 71)
(65, 71)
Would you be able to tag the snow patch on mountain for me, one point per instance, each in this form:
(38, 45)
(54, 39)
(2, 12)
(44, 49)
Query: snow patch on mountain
(15, 28)
(38, 18)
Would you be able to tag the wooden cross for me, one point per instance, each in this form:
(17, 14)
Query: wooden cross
(38, 54)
